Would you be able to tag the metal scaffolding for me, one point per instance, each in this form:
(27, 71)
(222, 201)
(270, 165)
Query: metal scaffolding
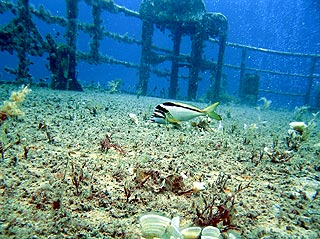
(181, 18)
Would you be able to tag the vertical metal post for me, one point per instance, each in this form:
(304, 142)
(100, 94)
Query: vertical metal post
(196, 58)
(175, 64)
(97, 31)
(242, 73)
(144, 71)
(23, 74)
(71, 37)
(307, 99)
(216, 90)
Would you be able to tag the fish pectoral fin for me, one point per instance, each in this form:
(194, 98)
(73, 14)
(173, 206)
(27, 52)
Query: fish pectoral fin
(173, 121)
(170, 119)
(210, 111)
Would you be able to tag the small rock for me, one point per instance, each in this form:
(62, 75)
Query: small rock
(293, 195)
(304, 222)
(310, 194)
(290, 228)
(310, 188)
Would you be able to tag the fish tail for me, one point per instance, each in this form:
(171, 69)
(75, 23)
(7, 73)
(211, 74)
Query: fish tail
(210, 111)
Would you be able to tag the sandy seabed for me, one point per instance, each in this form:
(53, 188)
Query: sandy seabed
(56, 182)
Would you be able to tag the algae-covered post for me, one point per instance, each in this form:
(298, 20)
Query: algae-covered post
(216, 25)
(96, 32)
(62, 57)
(312, 70)
(22, 74)
(175, 63)
(71, 37)
(59, 62)
(242, 73)
(219, 69)
(196, 59)
(144, 71)
(249, 86)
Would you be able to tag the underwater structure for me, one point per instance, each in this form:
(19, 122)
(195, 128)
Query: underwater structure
(20, 36)
(190, 18)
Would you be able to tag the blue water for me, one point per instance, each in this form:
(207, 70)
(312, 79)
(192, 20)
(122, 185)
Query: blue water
(286, 25)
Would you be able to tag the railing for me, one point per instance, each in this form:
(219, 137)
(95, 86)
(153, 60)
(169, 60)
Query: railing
(21, 35)
(314, 58)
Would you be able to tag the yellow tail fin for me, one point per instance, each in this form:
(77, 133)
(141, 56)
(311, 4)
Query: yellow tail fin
(210, 111)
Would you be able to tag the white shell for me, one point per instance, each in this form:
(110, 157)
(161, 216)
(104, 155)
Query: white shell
(173, 229)
(210, 232)
(198, 186)
(298, 126)
(191, 232)
(173, 232)
(232, 234)
(153, 225)
(176, 222)
(134, 118)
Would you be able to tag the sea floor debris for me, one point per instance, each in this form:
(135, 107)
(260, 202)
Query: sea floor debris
(55, 180)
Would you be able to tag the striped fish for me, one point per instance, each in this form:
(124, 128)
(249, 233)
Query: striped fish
(174, 112)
